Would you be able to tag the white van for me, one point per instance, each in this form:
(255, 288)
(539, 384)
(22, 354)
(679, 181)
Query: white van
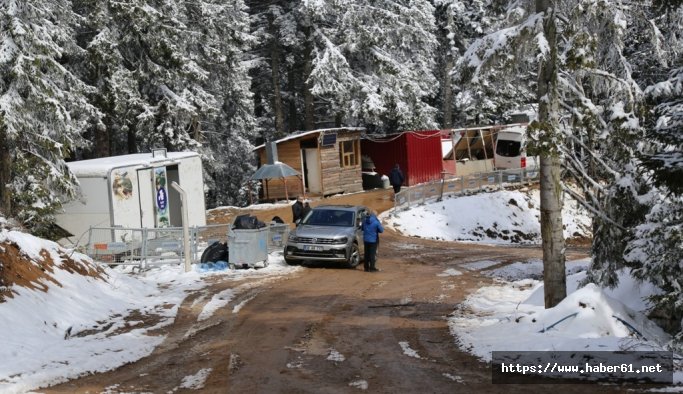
(510, 149)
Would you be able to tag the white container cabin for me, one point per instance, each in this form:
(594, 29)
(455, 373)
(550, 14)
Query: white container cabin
(134, 191)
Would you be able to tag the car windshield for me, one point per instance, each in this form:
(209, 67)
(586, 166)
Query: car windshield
(508, 148)
(329, 217)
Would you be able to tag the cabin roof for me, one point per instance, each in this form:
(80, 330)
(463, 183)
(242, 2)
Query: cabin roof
(102, 166)
(300, 134)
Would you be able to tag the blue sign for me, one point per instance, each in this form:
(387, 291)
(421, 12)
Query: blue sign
(162, 199)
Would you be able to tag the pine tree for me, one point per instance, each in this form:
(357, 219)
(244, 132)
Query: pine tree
(43, 110)
(624, 196)
(270, 25)
(374, 64)
(655, 251)
(461, 22)
(221, 42)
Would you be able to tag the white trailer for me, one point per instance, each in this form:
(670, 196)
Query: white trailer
(134, 191)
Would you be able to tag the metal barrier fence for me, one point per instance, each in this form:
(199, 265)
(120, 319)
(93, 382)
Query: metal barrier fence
(496, 180)
(144, 247)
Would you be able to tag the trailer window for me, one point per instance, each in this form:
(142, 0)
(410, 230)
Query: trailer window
(349, 153)
(508, 148)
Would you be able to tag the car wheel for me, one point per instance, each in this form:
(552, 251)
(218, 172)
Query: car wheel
(354, 258)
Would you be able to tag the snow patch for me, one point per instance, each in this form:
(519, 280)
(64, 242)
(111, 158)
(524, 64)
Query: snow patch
(405, 346)
(359, 384)
(450, 272)
(335, 356)
(217, 301)
(196, 381)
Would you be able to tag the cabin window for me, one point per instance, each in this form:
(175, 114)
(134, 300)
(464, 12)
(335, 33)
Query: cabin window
(349, 153)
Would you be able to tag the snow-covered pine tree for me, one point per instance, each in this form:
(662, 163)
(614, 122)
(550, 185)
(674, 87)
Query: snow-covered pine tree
(602, 108)
(374, 63)
(598, 109)
(459, 23)
(656, 249)
(42, 110)
(171, 74)
(150, 88)
(651, 44)
(271, 23)
(101, 64)
(220, 44)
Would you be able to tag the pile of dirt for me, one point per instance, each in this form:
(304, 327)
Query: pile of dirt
(19, 270)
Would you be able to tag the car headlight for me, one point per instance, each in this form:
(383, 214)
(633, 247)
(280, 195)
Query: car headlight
(293, 238)
(341, 241)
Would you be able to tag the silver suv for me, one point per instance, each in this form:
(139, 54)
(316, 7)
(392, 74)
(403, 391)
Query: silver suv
(328, 233)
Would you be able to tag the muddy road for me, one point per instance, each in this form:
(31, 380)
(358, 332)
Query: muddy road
(325, 329)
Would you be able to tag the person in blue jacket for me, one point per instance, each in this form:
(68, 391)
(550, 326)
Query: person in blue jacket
(371, 228)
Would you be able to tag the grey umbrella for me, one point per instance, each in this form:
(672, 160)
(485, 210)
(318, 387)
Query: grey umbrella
(273, 171)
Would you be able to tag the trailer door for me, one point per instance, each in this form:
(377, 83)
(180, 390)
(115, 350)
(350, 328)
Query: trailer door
(146, 195)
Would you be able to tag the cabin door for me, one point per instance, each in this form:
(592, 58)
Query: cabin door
(311, 166)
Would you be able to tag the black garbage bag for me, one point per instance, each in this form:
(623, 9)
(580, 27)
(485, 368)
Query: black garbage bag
(247, 222)
(217, 251)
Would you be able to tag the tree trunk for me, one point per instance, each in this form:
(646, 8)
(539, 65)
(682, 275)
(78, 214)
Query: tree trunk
(5, 172)
(309, 121)
(275, 73)
(554, 277)
(132, 143)
(293, 118)
(447, 105)
(101, 141)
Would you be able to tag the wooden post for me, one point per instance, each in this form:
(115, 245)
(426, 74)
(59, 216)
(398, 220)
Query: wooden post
(284, 179)
(303, 188)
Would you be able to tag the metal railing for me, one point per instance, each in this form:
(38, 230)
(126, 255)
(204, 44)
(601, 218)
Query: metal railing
(145, 247)
(458, 185)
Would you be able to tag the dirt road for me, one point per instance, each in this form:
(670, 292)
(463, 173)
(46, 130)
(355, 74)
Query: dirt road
(327, 330)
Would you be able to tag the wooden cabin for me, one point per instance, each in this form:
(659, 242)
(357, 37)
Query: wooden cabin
(328, 160)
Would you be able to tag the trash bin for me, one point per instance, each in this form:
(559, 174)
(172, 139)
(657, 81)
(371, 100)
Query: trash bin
(277, 235)
(248, 247)
(385, 182)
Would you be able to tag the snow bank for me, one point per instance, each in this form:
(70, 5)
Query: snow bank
(501, 217)
(72, 323)
(588, 318)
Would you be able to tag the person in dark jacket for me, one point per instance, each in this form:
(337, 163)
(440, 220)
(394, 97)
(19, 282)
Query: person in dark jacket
(307, 208)
(396, 178)
(298, 209)
(371, 228)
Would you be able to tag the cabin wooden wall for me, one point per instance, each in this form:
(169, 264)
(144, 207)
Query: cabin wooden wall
(335, 178)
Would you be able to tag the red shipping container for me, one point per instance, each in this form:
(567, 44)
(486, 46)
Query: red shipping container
(418, 153)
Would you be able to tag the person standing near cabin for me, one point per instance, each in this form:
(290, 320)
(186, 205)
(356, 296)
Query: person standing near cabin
(298, 209)
(371, 228)
(396, 178)
(306, 208)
